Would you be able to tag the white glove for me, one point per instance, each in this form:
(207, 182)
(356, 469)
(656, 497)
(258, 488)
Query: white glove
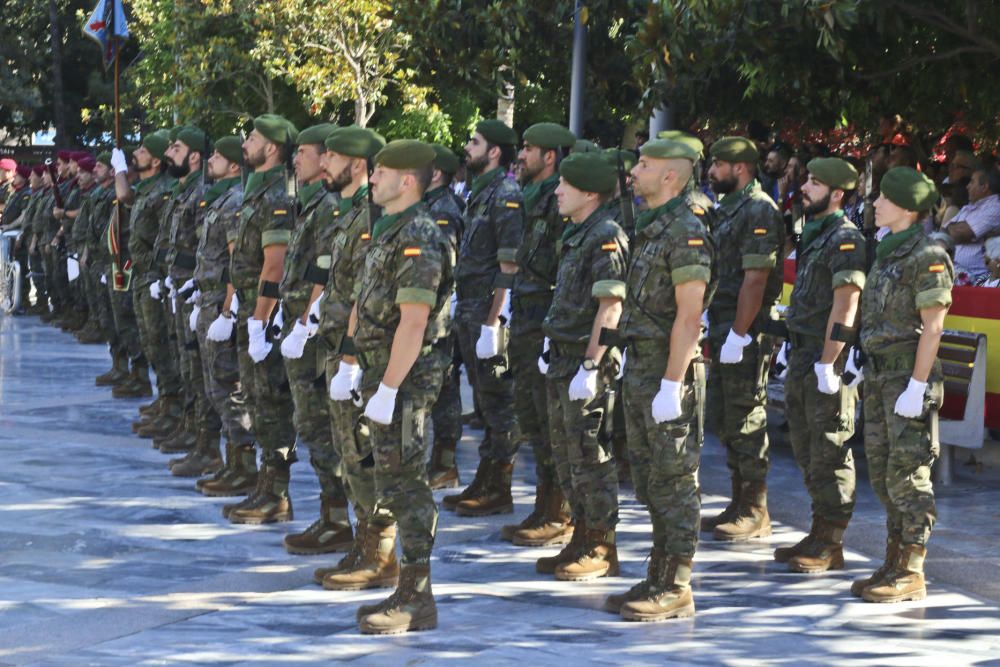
(381, 405)
(488, 345)
(347, 379)
(732, 349)
(910, 403)
(169, 283)
(854, 369)
(194, 297)
(667, 402)
(621, 369)
(781, 362)
(543, 366)
(234, 307)
(827, 380)
(104, 279)
(279, 323)
(294, 344)
(154, 290)
(118, 161)
(221, 329)
(583, 386)
(189, 285)
(259, 347)
(312, 321)
(193, 318)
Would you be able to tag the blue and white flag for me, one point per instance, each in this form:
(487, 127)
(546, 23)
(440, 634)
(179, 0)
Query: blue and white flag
(107, 27)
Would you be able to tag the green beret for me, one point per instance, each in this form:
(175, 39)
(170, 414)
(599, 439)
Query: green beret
(275, 128)
(445, 160)
(316, 134)
(175, 132)
(193, 138)
(590, 172)
(406, 154)
(627, 158)
(668, 149)
(104, 158)
(734, 149)
(496, 132)
(355, 141)
(549, 135)
(908, 188)
(834, 172)
(231, 148)
(156, 143)
(584, 146)
(684, 138)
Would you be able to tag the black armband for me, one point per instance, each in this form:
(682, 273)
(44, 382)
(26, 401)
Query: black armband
(269, 289)
(504, 281)
(843, 334)
(610, 337)
(316, 275)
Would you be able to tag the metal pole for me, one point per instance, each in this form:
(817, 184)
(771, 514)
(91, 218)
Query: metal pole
(577, 81)
(662, 119)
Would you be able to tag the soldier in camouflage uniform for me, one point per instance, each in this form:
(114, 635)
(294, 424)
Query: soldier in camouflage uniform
(64, 316)
(581, 371)
(304, 356)
(400, 328)
(89, 289)
(699, 203)
(42, 228)
(256, 268)
(448, 210)
(30, 224)
(82, 167)
(96, 260)
(819, 406)
(903, 306)
(217, 342)
(668, 287)
(749, 234)
(483, 276)
(17, 202)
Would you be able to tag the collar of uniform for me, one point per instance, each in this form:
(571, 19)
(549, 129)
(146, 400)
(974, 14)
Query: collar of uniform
(432, 196)
(893, 242)
(575, 233)
(646, 218)
(310, 193)
(393, 221)
(815, 227)
(733, 200)
(186, 183)
(535, 191)
(479, 183)
(218, 188)
(144, 185)
(259, 181)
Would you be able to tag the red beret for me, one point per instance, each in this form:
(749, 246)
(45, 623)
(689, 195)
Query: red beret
(24, 171)
(38, 169)
(65, 156)
(87, 164)
(7, 164)
(80, 155)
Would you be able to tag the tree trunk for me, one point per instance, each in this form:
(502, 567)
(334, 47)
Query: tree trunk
(505, 104)
(58, 104)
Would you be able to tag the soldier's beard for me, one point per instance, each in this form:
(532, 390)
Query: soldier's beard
(814, 207)
(527, 173)
(340, 181)
(476, 165)
(179, 170)
(255, 160)
(723, 186)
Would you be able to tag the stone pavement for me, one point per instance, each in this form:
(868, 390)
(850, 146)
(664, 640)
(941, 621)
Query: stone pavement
(106, 559)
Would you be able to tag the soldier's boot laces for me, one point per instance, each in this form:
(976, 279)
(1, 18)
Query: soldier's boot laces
(825, 552)
(657, 561)
(668, 597)
(474, 489)
(878, 576)
(597, 558)
(440, 474)
(496, 497)
(411, 607)
(569, 553)
(751, 520)
(905, 581)
(729, 513)
(351, 558)
(204, 459)
(239, 478)
(273, 504)
(327, 534)
(375, 567)
(556, 526)
(785, 554)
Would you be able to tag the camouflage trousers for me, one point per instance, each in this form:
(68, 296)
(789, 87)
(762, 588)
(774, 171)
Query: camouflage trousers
(664, 457)
(220, 371)
(56, 281)
(819, 426)
(582, 455)
(155, 338)
(400, 452)
(125, 320)
(735, 410)
(268, 393)
(901, 451)
(189, 349)
(446, 415)
(101, 305)
(494, 396)
(36, 271)
(531, 396)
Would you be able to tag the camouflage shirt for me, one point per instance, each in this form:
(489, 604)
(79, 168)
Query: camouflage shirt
(749, 234)
(183, 218)
(97, 224)
(493, 223)
(671, 247)
(220, 222)
(905, 279)
(447, 209)
(17, 202)
(537, 262)
(34, 220)
(833, 259)
(76, 230)
(266, 219)
(303, 248)
(73, 198)
(151, 195)
(409, 262)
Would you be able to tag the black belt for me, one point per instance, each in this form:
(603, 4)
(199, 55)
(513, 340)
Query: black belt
(185, 260)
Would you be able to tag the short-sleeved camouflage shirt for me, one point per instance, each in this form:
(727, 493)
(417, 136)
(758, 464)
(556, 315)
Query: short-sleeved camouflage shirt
(151, 195)
(537, 261)
(296, 287)
(97, 224)
(266, 218)
(220, 220)
(184, 218)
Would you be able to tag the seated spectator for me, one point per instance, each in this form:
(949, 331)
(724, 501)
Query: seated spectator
(975, 222)
(991, 250)
(961, 166)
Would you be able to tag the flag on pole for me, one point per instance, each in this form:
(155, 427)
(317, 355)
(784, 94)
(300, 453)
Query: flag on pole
(107, 26)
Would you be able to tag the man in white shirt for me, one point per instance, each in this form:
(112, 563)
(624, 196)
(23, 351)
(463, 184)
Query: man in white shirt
(975, 222)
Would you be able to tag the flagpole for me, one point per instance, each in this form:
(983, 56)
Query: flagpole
(117, 48)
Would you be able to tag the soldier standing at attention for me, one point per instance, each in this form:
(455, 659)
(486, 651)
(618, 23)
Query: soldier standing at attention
(749, 235)
(668, 288)
(400, 324)
(903, 306)
(819, 406)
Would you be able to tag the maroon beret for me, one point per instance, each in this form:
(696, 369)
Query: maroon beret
(65, 156)
(87, 164)
(24, 171)
(39, 169)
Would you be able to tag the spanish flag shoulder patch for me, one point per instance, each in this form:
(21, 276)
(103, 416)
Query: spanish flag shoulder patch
(280, 211)
(366, 236)
(696, 243)
(760, 231)
(610, 246)
(512, 204)
(698, 210)
(936, 268)
(442, 223)
(202, 203)
(411, 252)
(845, 247)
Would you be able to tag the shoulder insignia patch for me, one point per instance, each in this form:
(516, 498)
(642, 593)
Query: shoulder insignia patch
(512, 204)
(610, 246)
(936, 268)
(411, 252)
(845, 247)
(280, 211)
(696, 243)
(442, 223)
(366, 236)
(202, 204)
(698, 210)
(760, 231)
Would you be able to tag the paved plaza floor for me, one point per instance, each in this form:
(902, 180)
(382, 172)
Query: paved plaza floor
(106, 559)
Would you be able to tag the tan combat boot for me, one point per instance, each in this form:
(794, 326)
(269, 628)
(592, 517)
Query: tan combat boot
(183, 440)
(410, 608)
(167, 421)
(238, 478)
(147, 414)
(598, 557)
(442, 473)
(273, 504)
(495, 498)
(152, 408)
(891, 556)
(536, 518)
(905, 581)
(785, 554)
(137, 385)
(729, 513)
(375, 567)
(669, 596)
(825, 552)
(657, 560)
(204, 459)
(751, 519)
(327, 534)
(473, 490)
(118, 372)
(569, 553)
(556, 526)
(353, 556)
